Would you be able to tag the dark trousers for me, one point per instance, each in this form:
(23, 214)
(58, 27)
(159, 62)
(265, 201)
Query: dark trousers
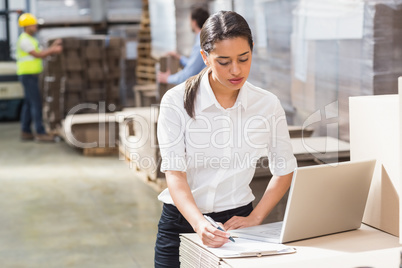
(172, 223)
(32, 107)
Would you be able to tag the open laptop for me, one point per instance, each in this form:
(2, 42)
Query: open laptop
(323, 199)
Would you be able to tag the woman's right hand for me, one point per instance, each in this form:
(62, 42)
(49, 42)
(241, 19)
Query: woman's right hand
(211, 236)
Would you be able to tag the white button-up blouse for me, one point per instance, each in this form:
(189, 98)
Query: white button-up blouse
(219, 148)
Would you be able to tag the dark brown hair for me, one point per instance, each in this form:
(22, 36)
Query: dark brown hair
(220, 26)
(200, 14)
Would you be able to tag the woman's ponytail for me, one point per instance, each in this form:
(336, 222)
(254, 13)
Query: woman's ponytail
(190, 91)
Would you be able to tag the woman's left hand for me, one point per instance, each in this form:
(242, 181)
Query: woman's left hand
(237, 222)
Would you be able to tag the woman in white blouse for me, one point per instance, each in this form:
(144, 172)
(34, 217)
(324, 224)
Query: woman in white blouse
(212, 129)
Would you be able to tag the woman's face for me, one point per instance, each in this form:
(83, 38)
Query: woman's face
(230, 63)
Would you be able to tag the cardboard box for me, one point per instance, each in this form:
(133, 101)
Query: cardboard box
(374, 133)
(93, 53)
(113, 62)
(167, 63)
(71, 100)
(96, 85)
(95, 63)
(114, 73)
(74, 64)
(94, 41)
(77, 75)
(71, 43)
(114, 42)
(94, 95)
(95, 74)
(75, 85)
(72, 53)
(114, 53)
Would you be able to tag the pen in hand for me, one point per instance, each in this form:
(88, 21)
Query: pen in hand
(214, 224)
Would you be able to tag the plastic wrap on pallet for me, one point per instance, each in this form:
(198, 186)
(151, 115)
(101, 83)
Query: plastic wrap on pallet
(130, 35)
(46, 34)
(218, 5)
(271, 25)
(343, 49)
(64, 11)
(123, 10)
(163, 25)
(170, 24)
(315, 54)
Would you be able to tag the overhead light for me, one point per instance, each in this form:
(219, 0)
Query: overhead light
(84, 11)
(69, 3)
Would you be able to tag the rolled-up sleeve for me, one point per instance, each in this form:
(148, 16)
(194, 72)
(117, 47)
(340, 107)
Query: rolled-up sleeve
(26, 45)
(280, 152)
(171, 126)
(183, 61)
(192, 65)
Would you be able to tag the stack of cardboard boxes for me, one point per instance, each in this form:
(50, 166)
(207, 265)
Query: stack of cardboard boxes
(129, 33)
(272, 51)
(340, 67)
(73, 74)
(53, 87)
(314, 55)
(103, 60)
(88, 71)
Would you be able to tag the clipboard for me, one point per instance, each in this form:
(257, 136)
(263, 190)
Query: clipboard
(287, 250)
(249, 248)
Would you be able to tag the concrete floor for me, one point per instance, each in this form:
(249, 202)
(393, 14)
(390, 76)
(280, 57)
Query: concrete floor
(61, 209)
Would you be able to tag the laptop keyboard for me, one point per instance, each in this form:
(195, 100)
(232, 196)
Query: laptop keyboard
(273, 231)
(270, 232)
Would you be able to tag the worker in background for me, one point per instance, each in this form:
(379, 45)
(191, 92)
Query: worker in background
(194, 64)
(29, 66)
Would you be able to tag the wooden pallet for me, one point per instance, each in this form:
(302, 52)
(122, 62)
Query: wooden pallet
(146, 73)
(106, 151)
(158, 184)
(146, 76)
(146, 62)
(144, 53)
(144, 45)
(146, 69)
(144, 36)
(145, 81)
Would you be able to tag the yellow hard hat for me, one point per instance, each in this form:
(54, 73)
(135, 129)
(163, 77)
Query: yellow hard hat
(27, 19)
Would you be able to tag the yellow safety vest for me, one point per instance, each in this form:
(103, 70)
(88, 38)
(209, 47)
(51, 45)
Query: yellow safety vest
(26, 63)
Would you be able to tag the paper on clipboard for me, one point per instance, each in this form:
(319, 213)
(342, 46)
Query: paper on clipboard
(249, 248)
